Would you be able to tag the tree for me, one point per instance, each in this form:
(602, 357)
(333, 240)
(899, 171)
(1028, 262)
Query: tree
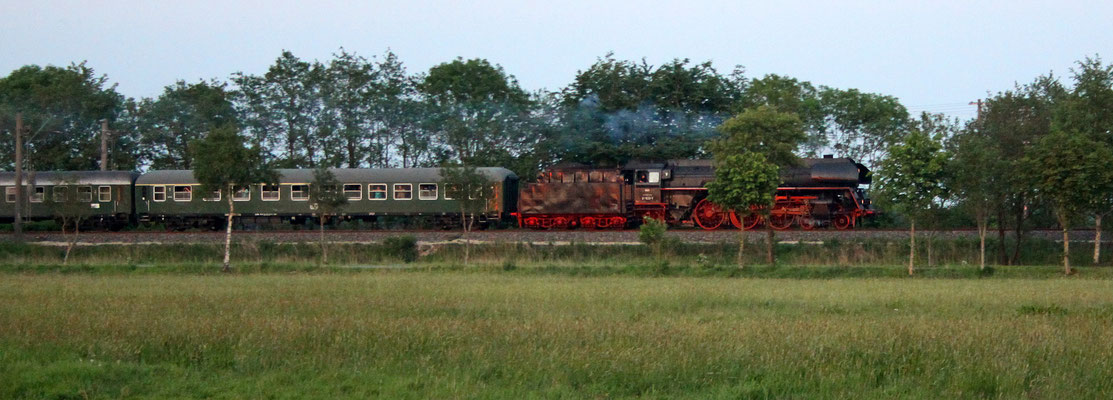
(911, 178)
(1013, 121)
(743, 181)
(972, 180)
(62, 109)
(282, 110)
(224, 162)
(348, 87)
(1070, 170)
(790, 95)
(763, 130)
(1088, 110)
(68, 206)
(182, 114)
(471, 191)
(477, 112)
(327, 198)
(862, 125)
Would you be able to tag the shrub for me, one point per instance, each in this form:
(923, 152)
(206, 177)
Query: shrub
(401, 247)
(652, 233)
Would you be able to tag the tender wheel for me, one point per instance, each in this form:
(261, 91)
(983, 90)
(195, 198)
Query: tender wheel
(843, 222)
(708, 216)
(750, 221)
(781, 222)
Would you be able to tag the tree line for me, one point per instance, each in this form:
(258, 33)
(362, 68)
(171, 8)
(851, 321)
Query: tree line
(355, 111)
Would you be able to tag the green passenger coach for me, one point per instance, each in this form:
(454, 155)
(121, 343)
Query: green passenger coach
(175, 197)
(107, 193)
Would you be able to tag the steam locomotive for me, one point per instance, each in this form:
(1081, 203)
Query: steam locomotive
(821, 192)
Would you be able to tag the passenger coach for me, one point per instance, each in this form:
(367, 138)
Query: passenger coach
(108, 194)
(415, 194)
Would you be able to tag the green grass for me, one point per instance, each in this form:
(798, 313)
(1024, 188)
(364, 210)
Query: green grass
(518, 334)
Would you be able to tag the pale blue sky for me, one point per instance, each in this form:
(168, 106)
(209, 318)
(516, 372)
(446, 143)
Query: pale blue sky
(933, 55)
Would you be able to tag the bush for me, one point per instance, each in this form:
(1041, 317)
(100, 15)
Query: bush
(401, 247)
(652, 232)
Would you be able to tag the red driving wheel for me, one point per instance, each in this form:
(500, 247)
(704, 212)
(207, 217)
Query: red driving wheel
(708, 216)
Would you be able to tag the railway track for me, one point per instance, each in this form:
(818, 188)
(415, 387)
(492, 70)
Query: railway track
(511, 235)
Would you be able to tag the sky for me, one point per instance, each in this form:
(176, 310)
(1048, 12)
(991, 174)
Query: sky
(933, 55)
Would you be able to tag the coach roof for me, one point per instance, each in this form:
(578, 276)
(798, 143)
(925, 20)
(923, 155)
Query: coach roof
(343, 175)
(71, 178)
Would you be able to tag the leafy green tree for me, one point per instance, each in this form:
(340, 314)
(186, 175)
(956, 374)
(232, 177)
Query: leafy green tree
(471, 191)
(863, 125)
(743, 181)
(223, 161)
(790, 95)
(773, 134)
(348, 89)
(972, 179)
(911, 178)
(281, 111)
(478, 113)
(62, 109)
(183, 113)
(398, 108)
(1088, 110)
(1013, 121)
(327, 198)
(617, 110)
(1070, 170)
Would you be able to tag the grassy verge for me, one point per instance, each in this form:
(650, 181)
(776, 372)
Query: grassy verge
(832, 259)
(452, 335)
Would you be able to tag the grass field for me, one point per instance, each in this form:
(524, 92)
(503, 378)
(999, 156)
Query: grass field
(509, 335)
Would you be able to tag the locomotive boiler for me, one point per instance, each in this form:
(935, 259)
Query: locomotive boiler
(820, 192)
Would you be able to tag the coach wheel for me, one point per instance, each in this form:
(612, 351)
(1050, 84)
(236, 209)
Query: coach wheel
(843, 222)
(806, 222)
(708, 216)
(781, 222)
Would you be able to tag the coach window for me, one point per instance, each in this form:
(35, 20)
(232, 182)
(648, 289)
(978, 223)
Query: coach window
(183, 193)
(104, 193)
(9, 194)
(569, 178)
(85, 193)
(160, 193)
(241, 193)
(38, 194)
(212, 196)
(353, 191)
(427, 191)
(270, 193)
(581, 176)
(299, 192)
(376, 191)
(60, 193)
(403, 191)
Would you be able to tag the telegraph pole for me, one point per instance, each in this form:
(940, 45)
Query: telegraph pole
(979, 104)
(17, 225)
(104, 145)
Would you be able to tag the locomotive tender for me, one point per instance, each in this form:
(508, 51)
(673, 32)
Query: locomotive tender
(820, 192)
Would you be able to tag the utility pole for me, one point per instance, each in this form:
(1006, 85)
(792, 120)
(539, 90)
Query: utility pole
(104, 145)
(979, 104)
(17, 225)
